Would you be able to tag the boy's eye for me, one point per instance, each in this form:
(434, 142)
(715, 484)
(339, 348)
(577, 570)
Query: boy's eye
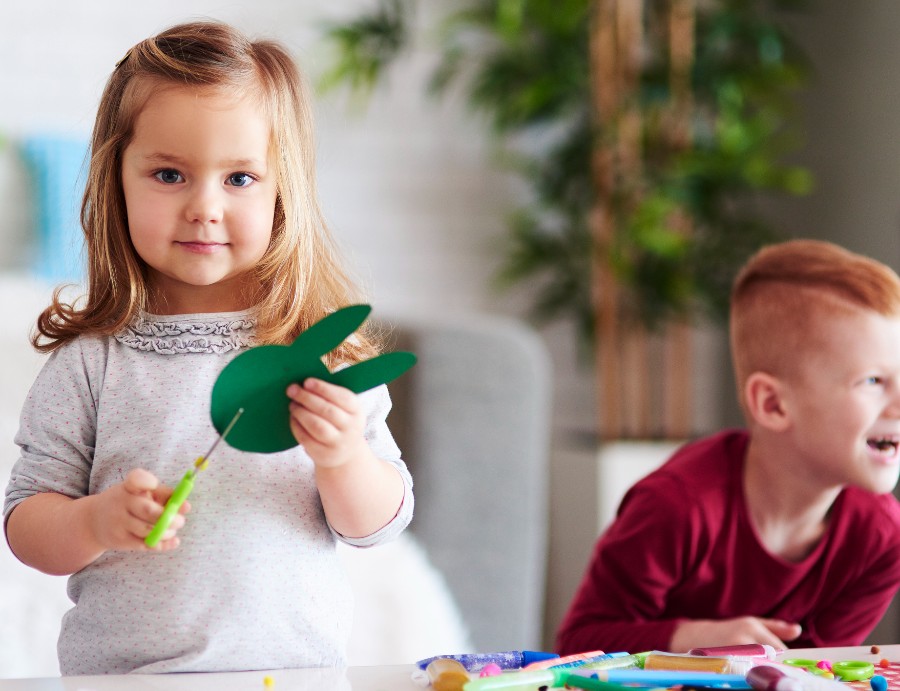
(168, 176)
(874, 380)
(240, 179)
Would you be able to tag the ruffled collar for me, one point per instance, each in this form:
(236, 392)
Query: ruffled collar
(219, 332)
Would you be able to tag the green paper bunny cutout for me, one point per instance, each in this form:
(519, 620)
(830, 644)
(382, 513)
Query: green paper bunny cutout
(256, 380)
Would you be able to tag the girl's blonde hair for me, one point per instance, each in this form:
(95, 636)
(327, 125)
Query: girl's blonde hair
(300, 276)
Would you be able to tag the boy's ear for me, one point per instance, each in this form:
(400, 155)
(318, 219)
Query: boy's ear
(764, 398)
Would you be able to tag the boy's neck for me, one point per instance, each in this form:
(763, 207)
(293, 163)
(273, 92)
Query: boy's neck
(788, 510)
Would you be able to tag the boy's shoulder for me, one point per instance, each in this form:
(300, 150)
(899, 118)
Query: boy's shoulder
(707, 466)
(718, 455)
(877, 513)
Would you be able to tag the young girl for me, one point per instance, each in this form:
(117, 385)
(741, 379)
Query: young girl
(204, 237)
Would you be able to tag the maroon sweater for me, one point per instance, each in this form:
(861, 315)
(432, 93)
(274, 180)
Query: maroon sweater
(682, 546)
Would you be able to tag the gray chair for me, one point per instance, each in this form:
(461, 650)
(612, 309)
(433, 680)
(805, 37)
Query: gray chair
(473, 420)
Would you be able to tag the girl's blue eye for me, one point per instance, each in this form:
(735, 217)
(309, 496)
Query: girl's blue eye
(240, 179)
(169, 176)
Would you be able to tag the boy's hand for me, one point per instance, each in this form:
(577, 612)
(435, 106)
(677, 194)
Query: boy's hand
(328, 421)
(705, 632)
(124, 514)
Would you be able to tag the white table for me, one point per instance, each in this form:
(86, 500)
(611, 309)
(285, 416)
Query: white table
(385, 678)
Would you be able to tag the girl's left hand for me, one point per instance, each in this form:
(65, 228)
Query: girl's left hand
(328, 421)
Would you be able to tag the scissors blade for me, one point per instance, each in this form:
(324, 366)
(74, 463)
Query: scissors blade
(224, 434)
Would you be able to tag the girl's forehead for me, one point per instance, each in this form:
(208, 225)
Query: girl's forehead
(203, 124)
(155, 94)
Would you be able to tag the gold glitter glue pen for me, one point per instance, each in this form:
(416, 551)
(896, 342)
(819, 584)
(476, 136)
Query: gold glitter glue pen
(183, 489)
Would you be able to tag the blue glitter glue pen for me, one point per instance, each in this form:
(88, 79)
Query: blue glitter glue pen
(510, 659)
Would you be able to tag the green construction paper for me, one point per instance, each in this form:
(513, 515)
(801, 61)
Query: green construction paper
(256, 380)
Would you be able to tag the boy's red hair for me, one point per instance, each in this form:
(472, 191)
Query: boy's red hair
(785, 288)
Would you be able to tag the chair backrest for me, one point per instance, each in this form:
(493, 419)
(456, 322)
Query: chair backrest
(473, 420)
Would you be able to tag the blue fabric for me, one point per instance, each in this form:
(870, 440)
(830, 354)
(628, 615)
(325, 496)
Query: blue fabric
(57, 167)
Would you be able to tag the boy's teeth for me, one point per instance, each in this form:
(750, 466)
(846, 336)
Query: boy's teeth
(884, 445)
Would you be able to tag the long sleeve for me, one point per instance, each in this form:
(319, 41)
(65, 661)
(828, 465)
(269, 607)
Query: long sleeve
(621, 602)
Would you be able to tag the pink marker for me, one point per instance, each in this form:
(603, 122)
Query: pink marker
(746, 650)
(766, 678)
(565, 661)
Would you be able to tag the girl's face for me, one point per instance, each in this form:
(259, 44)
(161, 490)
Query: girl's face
(200, 190)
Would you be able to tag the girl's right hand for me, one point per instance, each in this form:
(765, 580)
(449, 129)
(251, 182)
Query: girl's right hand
(124, 514)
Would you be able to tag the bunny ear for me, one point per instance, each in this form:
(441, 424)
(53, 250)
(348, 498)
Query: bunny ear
(371, 373)
(328, 333)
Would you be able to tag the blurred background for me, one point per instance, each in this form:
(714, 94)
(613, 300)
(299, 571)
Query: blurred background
(416, 192)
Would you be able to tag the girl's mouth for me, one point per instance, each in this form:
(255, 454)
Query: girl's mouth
(201, 247)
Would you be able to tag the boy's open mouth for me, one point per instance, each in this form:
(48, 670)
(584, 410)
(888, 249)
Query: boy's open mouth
(884, 445)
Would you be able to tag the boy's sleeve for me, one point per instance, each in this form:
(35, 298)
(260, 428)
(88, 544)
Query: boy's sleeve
(635, 564)
(871, 564)
(56, 431)
(378, 404)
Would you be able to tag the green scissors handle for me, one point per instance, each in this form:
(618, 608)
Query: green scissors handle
(182, 490)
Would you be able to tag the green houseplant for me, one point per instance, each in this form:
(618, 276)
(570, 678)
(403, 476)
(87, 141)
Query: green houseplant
(653, 128)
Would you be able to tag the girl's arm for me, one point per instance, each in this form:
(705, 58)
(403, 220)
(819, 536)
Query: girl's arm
(60, 535)
(360, 493)
(362, 496)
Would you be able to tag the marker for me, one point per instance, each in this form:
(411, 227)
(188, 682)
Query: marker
(738, 651)
(618, 661)
(698, 663)
(661, 677)
(768, 678)
(510, 659)
(579, 682)
(549, 678)
(604, 661)
(577, 657)
(807, 681)
(520, 681)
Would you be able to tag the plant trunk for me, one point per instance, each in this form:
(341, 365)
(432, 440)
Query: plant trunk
(644, 381)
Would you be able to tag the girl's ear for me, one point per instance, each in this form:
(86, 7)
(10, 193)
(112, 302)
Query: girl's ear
(765, 400)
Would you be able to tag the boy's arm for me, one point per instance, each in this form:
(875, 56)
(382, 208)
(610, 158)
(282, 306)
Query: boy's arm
(870, 570)
(622, 598)
(694, 633)
(650, 549)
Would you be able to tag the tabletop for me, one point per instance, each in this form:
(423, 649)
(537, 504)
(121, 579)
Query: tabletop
(378, 678)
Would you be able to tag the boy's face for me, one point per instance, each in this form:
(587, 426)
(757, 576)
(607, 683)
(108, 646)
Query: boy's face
(845, 403)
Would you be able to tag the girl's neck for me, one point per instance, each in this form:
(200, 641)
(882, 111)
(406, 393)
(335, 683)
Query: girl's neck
(221, 297)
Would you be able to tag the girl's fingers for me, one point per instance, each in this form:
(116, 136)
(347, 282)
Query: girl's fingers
(313, 425)
(140, 481)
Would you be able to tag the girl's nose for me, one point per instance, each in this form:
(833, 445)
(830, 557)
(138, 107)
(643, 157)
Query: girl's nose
(205, 204)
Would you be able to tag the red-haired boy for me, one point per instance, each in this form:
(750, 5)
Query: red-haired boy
(784, 533)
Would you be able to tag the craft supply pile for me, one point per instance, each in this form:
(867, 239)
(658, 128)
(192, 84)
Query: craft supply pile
(729, 667)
